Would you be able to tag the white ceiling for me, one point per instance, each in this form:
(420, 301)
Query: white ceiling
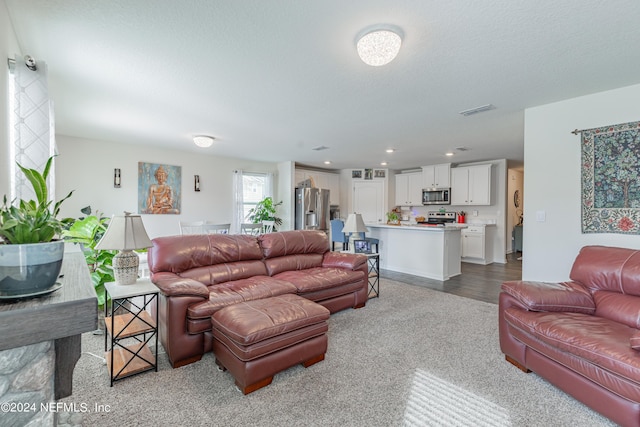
(272, 79)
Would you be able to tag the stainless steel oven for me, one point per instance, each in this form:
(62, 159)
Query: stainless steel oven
(436, 196)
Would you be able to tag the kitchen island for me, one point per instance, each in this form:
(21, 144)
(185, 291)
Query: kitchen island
(431, 252)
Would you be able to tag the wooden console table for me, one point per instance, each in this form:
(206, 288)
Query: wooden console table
(61, 316)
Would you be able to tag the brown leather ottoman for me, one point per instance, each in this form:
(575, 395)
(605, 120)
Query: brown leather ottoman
(256, 339)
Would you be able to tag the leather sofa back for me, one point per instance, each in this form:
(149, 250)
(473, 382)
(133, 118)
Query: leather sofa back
(608, 269)
(178, 254)
(293, 243)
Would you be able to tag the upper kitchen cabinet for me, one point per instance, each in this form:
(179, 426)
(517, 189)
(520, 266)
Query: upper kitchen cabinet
(327, 180)
(471, 185)
(437, 176)
(409, 189)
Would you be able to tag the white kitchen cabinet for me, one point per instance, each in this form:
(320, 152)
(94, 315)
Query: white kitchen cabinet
(437, 176)
(328, 180)
(409, 189)
(476, 244)
(471, 185)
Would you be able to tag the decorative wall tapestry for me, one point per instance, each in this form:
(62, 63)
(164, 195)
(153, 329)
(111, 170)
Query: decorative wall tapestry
(611, 179)
(159, 188)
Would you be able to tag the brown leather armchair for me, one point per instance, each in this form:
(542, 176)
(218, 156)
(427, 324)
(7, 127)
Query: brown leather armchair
(582, 335)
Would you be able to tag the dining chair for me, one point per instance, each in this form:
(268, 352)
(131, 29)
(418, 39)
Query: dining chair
(267, 226)
(253, 229)
(215, 228)
(337, 236)
(191, 227)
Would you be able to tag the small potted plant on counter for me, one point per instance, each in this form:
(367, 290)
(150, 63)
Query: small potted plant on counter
(393, 218)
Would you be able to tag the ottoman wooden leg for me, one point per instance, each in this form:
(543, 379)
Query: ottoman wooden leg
(313, 360)
(253, 387)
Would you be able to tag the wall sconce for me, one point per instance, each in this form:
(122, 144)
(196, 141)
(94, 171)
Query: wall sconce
(196, 182)
(116, 178)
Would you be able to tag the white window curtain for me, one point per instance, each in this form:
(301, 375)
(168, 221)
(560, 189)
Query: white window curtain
(269, 185)
(238, 202)
(32, 126)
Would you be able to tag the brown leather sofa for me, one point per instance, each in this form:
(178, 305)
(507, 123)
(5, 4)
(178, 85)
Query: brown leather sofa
(200, 274)
(582, 335)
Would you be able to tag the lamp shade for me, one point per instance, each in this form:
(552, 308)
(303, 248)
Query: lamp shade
(354, 224)
(125, 233)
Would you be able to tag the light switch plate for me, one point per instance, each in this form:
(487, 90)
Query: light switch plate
(541, 216)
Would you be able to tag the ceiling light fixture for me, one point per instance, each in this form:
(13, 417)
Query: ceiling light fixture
(390, 150)
(327, 162)
(449, 153)
(203, 141)
(379, 46)
(383, 163)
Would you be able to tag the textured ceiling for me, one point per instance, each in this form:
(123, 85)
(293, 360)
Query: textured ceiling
(273, 79)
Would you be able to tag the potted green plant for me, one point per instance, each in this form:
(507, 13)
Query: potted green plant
(393, 218)
(87, 232)
(265, 210)
(30, 251)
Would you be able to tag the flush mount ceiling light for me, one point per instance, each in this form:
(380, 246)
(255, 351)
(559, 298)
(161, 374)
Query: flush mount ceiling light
(203, 141)
(379, 46)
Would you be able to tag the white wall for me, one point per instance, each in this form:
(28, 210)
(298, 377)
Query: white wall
(87, 167)
(286, 186)
(552, 164)
(8, 49)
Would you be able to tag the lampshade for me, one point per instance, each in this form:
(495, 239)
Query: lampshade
(354, 224)
(379, 47)
(203, 141)
(125, 233)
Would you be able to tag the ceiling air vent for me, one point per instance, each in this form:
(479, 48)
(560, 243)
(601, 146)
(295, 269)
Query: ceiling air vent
(463, 148)
(476, 110)
(320, 148)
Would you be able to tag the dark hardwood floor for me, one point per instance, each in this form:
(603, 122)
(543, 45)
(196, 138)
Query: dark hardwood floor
(480, 282)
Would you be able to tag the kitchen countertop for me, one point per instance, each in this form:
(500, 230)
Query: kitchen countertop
(420, 227)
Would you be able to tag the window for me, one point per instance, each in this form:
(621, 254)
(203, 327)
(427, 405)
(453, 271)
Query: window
(255, 187)
(249, 189)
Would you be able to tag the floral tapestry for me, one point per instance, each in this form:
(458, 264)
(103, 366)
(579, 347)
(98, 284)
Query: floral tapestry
(611, 179)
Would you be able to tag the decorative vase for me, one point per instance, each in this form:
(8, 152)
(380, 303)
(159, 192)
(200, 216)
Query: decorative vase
(29, 269)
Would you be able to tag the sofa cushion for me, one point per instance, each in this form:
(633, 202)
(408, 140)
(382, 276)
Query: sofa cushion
(316, 279)
(237, 291)
(180, 253)
(634, 341)
(608, 268)
(618, 307)
(293, 243)
(542, 296)
(221, 273)
(597, 340)
(292, 262)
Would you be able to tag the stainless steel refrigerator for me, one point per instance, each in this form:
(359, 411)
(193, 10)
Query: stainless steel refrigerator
(312, 209)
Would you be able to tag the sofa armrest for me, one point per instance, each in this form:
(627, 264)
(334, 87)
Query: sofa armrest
(542, 296)
(343, 260)
(171, 284)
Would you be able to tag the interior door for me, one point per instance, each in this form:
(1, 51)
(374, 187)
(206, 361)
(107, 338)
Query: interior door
(368, 200)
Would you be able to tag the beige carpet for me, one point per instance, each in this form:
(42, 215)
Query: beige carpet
(412, 357)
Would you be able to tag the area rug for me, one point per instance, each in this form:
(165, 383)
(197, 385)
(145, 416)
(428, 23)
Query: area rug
(414, 357)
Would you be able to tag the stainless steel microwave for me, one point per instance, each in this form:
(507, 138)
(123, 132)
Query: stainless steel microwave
(436, 196)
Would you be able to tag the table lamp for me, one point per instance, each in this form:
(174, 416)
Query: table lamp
(125, 233)
(355, 226)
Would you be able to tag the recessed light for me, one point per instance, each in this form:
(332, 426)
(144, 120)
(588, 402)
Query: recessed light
(327, 162)
(448, 154)
(383, 163)
(390, 150)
